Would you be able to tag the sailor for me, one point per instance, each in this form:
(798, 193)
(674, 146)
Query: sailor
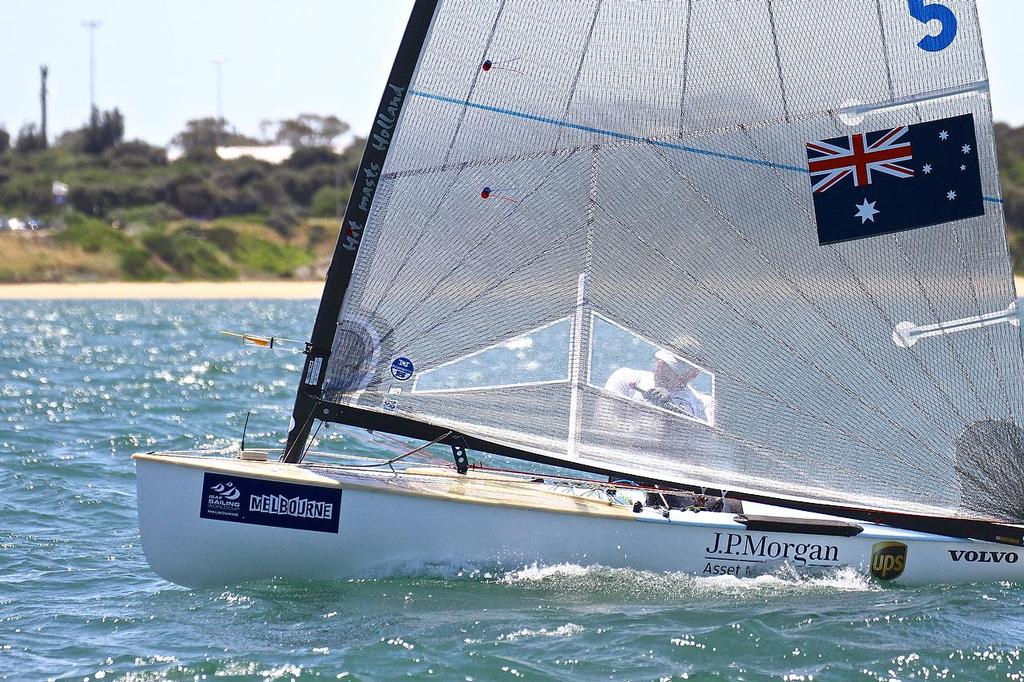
(668, 386)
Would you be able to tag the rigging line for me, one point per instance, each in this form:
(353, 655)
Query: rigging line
(780, 343)
(309, 441)
(878, 308)
(392, 460)
(686, 68)
(796, 289)
(393, 445)
(639, 138)
(305, 427)
(403, 445)
(466, 254)
(571, 481)
(472, 84)
(579, 69)
(778, 58)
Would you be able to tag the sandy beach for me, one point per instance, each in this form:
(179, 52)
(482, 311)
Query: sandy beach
(182, 290)
(161, 290)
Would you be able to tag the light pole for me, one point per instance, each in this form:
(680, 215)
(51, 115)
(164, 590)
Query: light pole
(44, 71)
(92, 25)
(218, 61)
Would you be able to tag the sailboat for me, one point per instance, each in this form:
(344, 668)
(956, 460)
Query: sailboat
(740, 265)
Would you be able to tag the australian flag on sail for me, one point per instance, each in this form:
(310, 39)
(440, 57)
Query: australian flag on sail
(867, 184)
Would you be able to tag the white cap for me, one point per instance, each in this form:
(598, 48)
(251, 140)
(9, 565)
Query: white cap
(677, 364)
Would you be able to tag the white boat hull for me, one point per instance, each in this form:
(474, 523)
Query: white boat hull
(424, 520)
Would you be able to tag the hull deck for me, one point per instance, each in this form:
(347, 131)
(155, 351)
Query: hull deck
(214, 521)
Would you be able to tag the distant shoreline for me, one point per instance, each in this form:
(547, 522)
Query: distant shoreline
(182, 290)
(162, 290)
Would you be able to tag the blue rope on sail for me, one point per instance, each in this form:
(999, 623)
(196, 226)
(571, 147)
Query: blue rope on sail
(621, 136)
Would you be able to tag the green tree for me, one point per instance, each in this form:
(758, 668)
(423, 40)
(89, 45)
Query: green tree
(136, 154)
(306, 157)
(1010, 148)
(310, 130)
(105, 130)
(29, 139)
(206, 134)
(5, 140)
(328, 202)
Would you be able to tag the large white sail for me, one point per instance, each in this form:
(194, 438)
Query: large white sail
(578, 196)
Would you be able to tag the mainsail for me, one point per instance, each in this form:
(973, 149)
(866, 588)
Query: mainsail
(564, 203)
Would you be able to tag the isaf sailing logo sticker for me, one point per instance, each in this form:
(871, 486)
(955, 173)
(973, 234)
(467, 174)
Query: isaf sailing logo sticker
(226, 490)
(888, 559)
(222, 499)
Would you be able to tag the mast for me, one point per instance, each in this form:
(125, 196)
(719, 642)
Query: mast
(357, 213)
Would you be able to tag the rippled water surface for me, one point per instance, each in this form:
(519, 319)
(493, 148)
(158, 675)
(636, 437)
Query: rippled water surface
(85, 384)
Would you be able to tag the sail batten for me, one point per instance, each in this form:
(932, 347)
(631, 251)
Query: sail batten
(678, 240)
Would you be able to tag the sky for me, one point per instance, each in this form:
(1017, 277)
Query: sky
(156, 61)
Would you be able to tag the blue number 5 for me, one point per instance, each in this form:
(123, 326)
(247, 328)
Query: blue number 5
(925, 13)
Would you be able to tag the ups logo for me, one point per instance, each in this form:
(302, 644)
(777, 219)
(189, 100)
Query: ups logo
(888, 560)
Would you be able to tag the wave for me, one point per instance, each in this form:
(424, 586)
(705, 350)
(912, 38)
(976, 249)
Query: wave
(599, 579)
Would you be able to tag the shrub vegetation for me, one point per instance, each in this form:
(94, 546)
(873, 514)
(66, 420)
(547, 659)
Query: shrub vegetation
(131, 213)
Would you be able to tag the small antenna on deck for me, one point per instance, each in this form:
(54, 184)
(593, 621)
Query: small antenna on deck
(245, 427)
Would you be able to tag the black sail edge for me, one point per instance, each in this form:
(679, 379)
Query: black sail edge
(357, 213)
(309, 405)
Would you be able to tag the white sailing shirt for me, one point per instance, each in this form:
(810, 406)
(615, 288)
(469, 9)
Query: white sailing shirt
(625, 381)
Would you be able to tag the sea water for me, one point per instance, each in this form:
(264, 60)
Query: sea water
(83, 385)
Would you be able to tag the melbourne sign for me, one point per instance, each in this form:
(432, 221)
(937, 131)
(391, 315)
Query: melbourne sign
(270, 503)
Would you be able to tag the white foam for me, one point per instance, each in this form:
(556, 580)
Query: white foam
(535, 572)
(601, 578)
(567, 630)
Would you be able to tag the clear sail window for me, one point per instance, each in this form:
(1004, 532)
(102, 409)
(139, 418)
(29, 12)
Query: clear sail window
(626, 364)
(536, 357)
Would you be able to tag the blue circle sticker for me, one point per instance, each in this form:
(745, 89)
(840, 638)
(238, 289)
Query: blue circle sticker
(401, 368)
